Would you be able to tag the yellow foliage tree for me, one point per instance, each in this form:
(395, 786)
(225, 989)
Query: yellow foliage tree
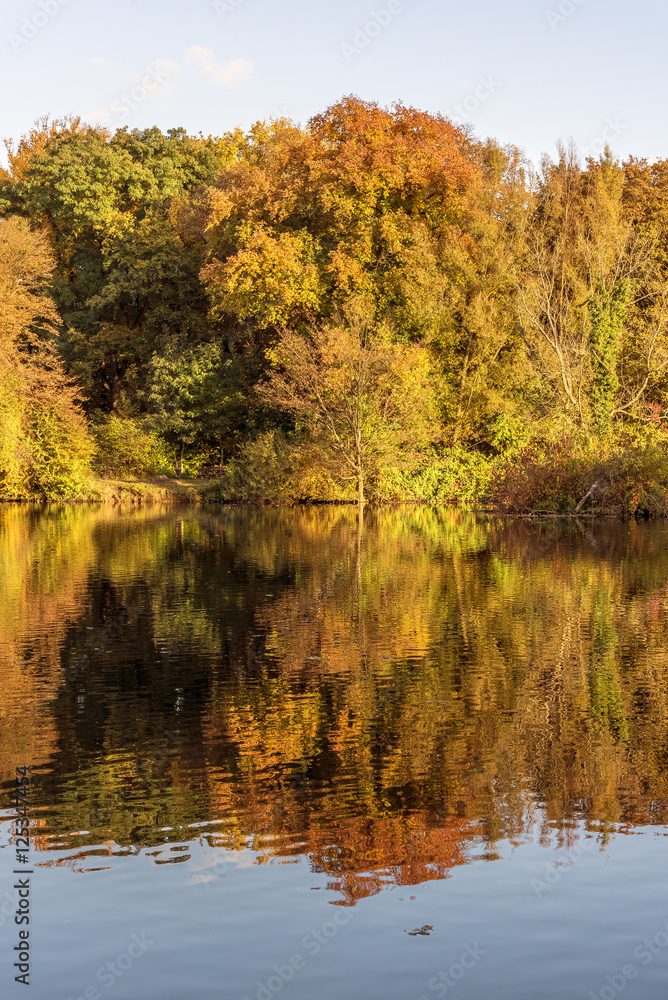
(44, 443)
(365, 399)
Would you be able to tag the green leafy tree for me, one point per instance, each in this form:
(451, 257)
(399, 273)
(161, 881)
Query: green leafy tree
(127, 274)
(193, 395)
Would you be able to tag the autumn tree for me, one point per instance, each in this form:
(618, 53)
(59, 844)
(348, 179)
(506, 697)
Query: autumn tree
(364, 399)
(44, 443)
(645, 205)
(480, 370)
(391, 210)
(591, 305)
(181, 266)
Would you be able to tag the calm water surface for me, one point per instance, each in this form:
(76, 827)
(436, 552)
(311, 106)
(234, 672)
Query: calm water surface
(268, 747)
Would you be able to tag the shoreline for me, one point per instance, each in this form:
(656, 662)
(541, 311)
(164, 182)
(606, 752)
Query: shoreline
(191, 492)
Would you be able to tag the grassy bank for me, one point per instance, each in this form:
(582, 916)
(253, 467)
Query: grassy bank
(160, 489)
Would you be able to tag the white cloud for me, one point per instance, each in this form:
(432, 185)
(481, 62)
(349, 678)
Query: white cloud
(99, 61)
(223, 74)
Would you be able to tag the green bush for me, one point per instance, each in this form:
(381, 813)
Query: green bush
(14, 450)
(458, 476)
(61, 451)
(124, 448)
(276, 469)
(260, 471)
(45, 447)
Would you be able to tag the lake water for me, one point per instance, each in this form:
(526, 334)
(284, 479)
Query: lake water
(277, 753)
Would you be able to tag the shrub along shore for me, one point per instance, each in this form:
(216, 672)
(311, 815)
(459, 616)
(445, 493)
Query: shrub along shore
(626, 485)
(377, 306)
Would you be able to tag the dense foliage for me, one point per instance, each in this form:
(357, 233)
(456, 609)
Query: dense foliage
(375, 304)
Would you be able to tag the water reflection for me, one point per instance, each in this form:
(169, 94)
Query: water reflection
(388, 706)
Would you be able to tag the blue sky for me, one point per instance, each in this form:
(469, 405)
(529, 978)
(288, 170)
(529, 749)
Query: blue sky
(525, 71)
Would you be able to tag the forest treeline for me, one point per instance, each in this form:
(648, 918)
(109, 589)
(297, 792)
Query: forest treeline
(376, 305)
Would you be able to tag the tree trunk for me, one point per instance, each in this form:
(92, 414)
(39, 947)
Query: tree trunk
(358, 561)
(111, 381)
(591, 490)
(360, 488)
(114, 372)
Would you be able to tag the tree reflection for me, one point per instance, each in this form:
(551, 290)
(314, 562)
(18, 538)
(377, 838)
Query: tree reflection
(384, 701)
